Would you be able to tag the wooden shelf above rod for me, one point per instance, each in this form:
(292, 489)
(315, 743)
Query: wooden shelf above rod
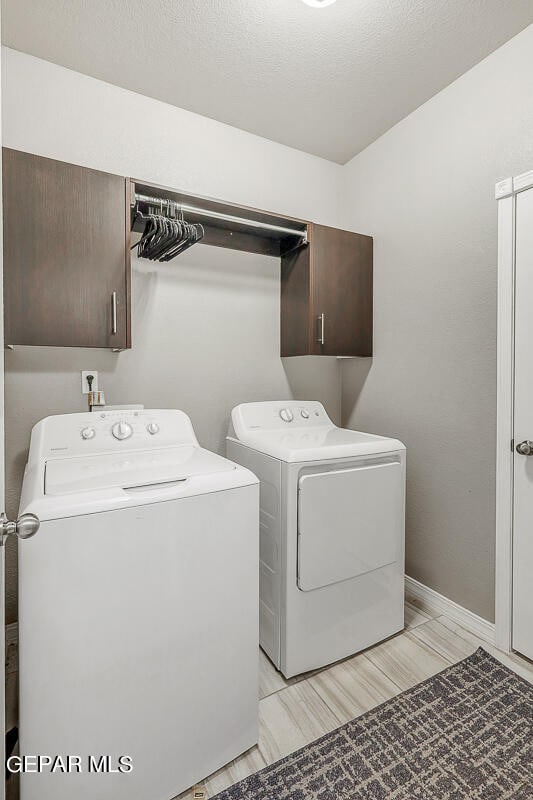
(231, 226)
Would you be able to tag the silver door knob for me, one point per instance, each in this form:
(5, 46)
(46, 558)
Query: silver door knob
(24, 527)
(525, 448)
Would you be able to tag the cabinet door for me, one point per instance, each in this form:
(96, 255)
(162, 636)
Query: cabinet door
(296, 330)
(66, 254)
(342, 292)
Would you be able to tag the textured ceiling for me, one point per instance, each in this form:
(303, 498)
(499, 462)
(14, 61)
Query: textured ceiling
(328, 81)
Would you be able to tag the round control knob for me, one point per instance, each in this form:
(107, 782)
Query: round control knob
(122, 430)
(152, 428)
(286, 415)
(305, 413)
(88, 433)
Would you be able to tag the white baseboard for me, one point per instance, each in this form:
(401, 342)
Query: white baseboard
(433, 603)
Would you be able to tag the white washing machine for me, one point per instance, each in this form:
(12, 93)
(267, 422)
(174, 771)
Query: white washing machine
(138, 607)
(332, 513)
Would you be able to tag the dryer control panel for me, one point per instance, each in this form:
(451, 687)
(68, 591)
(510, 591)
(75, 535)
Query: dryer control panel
(279, 415)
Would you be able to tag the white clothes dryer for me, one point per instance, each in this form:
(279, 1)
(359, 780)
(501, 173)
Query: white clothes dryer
(332, 511)
(138, 607)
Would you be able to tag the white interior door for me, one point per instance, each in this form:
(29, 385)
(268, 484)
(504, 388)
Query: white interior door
(522, 627)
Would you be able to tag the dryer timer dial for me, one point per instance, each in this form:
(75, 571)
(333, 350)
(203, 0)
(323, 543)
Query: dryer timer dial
(286, 415)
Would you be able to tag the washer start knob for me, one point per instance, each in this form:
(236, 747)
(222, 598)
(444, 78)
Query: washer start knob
(152, 428)
(122, 430)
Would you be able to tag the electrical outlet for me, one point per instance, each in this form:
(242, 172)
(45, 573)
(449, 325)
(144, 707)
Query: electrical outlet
(85, 384)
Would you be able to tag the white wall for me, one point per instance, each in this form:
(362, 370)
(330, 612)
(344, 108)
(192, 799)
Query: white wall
(206, 326)
(425, 190)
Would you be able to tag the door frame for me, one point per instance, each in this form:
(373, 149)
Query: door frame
(506, 192)
(2, 495)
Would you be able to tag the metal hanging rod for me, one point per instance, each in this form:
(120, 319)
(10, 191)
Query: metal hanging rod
(162, 202)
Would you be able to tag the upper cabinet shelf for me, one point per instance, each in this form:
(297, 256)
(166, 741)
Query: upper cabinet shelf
(66, 254)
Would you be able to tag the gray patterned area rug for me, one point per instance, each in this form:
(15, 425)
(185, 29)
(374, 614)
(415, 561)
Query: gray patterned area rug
(466, 732)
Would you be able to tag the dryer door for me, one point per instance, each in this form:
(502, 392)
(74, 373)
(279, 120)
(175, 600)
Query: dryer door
(350, 522)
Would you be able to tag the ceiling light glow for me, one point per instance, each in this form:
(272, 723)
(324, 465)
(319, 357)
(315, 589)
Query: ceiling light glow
(318, 3)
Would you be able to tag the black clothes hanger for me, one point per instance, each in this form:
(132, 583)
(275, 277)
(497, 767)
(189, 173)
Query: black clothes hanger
(165, 237)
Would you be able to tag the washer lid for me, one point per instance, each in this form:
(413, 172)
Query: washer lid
(130, 470)
(319, 443)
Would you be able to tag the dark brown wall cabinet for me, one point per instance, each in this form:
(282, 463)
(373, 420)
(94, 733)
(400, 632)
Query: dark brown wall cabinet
(66, 254)
(326, 295)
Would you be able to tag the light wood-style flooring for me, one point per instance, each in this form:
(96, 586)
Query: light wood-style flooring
(295, 712)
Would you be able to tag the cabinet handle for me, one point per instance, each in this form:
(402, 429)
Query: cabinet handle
(114, 313)
(321, 320)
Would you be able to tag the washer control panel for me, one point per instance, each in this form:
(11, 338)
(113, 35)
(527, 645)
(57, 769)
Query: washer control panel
(110, 432)
(121, 430)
